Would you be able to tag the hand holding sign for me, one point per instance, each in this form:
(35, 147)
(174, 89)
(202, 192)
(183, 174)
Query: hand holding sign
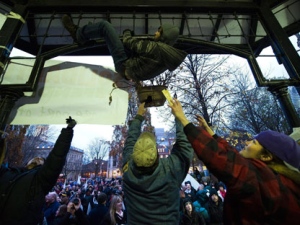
(168, 96)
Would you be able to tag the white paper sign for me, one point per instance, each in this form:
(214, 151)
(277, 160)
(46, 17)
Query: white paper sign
(194, 183)
(70, 89)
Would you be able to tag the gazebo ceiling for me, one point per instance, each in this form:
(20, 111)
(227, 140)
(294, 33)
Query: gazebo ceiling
(232, 23)
(240, 27)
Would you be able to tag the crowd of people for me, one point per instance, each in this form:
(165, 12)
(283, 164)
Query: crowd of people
(262, 180)
(206, 202)
(104, 203)
(90, 203)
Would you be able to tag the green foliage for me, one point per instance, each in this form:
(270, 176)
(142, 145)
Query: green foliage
(237, 138)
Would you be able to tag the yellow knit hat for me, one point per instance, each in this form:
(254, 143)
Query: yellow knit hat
(144, 151)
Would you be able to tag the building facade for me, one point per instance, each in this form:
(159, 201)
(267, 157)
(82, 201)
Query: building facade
(73, 165)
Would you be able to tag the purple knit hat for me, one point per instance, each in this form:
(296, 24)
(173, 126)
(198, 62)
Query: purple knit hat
(281, 145)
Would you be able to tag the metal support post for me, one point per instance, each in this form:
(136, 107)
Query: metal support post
(7, 102)
(282, 46)
(281, 93)
(9, 32)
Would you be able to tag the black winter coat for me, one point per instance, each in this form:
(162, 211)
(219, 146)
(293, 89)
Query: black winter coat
(79, 219)
(96, 216)
(195, 219)
(215, 212)
(22, 191)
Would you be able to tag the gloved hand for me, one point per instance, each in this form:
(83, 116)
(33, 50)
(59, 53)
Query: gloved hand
(71, 122)
(131, 32)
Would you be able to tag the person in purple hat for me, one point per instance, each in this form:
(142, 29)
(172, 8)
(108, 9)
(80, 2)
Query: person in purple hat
(262, 180)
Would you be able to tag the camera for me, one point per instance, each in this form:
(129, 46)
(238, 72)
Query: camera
(76, 201)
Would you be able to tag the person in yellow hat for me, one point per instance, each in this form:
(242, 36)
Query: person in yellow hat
(151, 184)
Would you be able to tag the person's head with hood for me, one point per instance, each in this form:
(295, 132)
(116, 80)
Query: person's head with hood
(145, 155)
(188, 207)
(167, 33)
(214, 197)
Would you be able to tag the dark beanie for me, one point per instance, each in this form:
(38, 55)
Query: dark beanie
(187, 182)
(213, 192)
(281, 145)
(102, 197)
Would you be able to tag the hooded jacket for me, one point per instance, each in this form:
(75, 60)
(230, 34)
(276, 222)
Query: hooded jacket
(152, 197)
(215, 211)
(195, 218)
(149, 58)
(22, 192)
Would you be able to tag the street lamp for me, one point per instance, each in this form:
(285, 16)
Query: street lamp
(95, 161)
(102, 169)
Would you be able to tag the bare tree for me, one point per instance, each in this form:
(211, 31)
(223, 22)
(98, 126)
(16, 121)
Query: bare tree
(35, 135)
(98, 150)
(23, 141)
(254, 109)
(117, 145)
(201, 84)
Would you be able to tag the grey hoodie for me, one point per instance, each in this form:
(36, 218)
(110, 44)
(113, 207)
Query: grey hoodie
(170, 34)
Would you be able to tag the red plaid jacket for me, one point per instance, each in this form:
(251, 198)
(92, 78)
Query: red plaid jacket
(255, 193)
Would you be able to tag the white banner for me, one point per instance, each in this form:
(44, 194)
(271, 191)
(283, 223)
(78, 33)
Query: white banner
(69, 89)
(194, 183)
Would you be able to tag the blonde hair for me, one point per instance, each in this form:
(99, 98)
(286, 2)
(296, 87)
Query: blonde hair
(112, 208)
(285, 171)
(279, 166)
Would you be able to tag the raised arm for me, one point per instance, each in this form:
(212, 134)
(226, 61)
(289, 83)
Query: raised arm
(202, 123)
(221, 159)
(133, 133)
(182, 153)
(178, 112)
(55, 161)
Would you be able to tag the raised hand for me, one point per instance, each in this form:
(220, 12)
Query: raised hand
(141, 110)
(201, 121)
(71, 122)
(177, 111)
